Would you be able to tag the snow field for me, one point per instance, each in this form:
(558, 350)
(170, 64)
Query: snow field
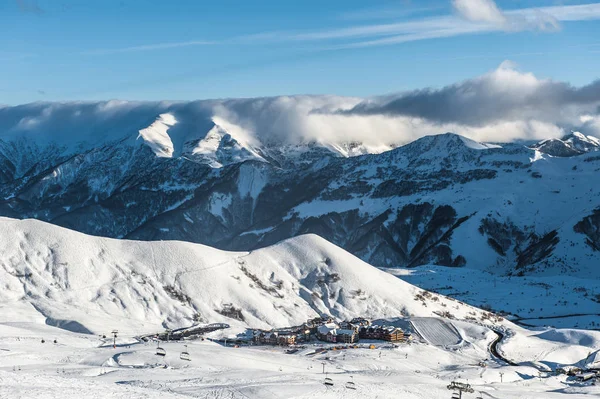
(77, 366)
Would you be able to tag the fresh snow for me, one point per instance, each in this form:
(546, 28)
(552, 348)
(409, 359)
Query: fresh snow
(157, 138)
(143, 286)
(478, 146)
(80, 365)
(65, 286)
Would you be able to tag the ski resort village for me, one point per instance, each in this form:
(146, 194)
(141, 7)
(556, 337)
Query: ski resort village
(108, 318)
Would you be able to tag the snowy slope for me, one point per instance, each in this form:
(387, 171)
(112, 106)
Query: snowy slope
(83, 366)
(80, 365)
(86, 283)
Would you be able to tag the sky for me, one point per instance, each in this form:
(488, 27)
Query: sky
(63, 50)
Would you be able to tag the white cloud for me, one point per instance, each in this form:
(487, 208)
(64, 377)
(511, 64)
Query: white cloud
(479, 11)
(504, 104)
(486, 11)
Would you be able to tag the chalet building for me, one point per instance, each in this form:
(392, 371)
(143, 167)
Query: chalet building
(331, 332)
(286, 339)
(274, 338)
(382, 333)
(393, 334)
(313, 324)
(347, 325)
(346, 336)
(325, 332)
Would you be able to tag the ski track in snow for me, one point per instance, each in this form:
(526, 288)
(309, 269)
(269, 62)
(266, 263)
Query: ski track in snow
(436, 331)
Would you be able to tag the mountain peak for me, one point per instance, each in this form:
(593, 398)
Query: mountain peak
(444, 145)
(574, 143)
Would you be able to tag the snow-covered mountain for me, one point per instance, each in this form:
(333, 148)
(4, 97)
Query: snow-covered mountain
(207, 172)
(570, 145)
(82, 282)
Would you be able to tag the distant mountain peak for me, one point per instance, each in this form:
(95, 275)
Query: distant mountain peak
(573, 144)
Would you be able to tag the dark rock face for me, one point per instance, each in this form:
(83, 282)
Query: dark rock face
(521, 247)
(414, 235)
(538, 249)
(503, 237)
(557, 148)
(590, 227)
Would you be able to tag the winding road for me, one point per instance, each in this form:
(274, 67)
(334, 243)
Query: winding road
(494, 348)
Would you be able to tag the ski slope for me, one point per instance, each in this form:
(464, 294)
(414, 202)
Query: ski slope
(436, 331)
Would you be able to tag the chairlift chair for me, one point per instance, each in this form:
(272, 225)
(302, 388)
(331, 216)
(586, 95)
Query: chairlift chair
(328, 381)
(160, 351)
(350, 385)
(185, 355)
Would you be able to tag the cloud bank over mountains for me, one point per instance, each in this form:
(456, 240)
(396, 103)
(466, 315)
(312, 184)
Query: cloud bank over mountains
(503, 95)
(500, 106)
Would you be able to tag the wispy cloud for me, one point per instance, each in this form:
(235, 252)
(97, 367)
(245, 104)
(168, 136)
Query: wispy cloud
(472, 17)
(149, 47)
(542, 19)
(29, 6)
(386, 12)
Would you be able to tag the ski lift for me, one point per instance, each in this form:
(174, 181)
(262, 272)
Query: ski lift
(185, 355)
(350, 384)
(328, 381)
(160, 351)
(455, 395)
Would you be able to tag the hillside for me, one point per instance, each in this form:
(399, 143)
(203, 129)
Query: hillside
(92, 284)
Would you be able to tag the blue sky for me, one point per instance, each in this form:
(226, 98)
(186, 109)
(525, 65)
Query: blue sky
(188, 49)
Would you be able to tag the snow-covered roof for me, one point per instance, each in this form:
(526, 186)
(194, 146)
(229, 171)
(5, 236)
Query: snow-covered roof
(327, 328)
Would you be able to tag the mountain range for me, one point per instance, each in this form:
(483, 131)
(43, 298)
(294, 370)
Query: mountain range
(221, 173)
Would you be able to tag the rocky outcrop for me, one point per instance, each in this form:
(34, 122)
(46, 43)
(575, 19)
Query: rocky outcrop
(590, 227)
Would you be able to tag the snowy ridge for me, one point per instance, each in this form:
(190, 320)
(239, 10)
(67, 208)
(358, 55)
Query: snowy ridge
(157, 138)
(573, 144)
(82, 282)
